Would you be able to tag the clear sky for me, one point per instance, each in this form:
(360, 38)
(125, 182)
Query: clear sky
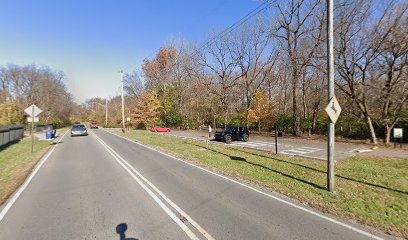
(92, 40)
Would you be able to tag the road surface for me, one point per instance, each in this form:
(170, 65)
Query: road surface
(103, 186)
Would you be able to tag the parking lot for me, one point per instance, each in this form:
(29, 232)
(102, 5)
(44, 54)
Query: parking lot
(308, 148)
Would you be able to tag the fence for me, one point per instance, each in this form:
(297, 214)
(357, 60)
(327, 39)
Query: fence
(10, 134)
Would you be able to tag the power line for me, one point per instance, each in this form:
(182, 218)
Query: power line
(231, 28)
(238, 23)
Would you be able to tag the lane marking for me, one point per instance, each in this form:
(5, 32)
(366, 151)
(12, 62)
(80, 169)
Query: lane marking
(256, 144)
(355, 229)
(310, 148)
(132, 171)
(295, 151)
(21, 189)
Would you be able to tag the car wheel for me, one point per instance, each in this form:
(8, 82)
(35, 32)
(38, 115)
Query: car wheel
(168, 130)
(155, 130)
(228, 139)
(245, 137)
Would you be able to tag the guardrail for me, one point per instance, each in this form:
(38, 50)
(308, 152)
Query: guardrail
(10, 134)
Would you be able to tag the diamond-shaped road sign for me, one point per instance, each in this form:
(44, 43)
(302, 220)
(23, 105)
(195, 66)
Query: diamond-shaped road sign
(32, 109)
(333, 109)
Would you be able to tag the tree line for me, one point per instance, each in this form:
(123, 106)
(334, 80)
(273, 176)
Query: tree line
(21, 86)
(272, 69)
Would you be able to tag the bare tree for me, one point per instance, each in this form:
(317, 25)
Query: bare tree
(299, 29)
(358, 50)
(133, 84)
(252, 51)
(220, 68)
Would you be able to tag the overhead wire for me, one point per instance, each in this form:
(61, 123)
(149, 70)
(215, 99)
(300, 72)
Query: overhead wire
(238, 23)
(264, 5)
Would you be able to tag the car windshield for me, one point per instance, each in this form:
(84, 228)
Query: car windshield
(78, 126)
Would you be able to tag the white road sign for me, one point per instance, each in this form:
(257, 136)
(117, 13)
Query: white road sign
(29, 119)
(32, 109)
(397, 132)
(333, 109)
(128, 119)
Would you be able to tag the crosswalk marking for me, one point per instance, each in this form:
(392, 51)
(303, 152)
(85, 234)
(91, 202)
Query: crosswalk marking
(300, 150)
(256, 145)
(296, 151)
(310, 148)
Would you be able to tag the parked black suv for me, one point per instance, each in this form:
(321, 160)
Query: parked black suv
(230, 133)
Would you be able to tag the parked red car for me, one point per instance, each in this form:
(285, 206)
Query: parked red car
(94, 125)
(160, 129)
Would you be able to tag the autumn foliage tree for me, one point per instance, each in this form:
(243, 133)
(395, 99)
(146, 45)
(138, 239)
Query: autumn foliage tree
(282, 54)
(146, 112)
(262, 110)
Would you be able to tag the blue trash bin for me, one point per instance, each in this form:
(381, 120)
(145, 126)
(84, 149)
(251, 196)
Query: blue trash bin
(48, 134)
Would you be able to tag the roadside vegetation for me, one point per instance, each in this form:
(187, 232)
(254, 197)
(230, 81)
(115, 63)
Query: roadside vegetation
(372, 191)
(272, 69)
(17, 162)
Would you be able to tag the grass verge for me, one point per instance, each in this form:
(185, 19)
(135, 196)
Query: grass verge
(17, 162)
(372, 191)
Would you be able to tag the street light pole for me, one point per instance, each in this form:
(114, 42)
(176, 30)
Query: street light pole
(330, 79)
(123, 102)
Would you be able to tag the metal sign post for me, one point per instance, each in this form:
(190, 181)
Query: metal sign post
(332, 107)
(32, 111)
(276, 138)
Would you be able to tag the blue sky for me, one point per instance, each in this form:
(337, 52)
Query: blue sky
(92, 40)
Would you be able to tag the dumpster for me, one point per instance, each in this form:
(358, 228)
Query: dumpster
(48, 134)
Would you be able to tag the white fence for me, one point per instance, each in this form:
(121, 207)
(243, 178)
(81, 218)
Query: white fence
(11, 134)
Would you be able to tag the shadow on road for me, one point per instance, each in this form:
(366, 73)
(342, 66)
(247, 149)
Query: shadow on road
(121, 229)
(235, 158)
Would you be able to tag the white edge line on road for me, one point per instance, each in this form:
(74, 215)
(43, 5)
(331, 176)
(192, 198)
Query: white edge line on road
(20, 190)
(167, 210)
(171, 203)
(259, 191)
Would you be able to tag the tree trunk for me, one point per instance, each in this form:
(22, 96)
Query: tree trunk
(388, 129)
(225, 117)
(371, 127)
(295, 122)
(259, 126)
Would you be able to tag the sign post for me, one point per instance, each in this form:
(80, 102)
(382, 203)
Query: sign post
(32, 111)
(333, 109)
(276, 138)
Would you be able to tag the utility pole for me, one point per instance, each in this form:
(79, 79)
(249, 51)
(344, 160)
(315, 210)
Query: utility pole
(32, 129)
(330, 79)
(123, 102)
(106, 112)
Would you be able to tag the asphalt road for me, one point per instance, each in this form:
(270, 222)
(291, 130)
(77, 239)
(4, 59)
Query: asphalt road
(91, 187)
